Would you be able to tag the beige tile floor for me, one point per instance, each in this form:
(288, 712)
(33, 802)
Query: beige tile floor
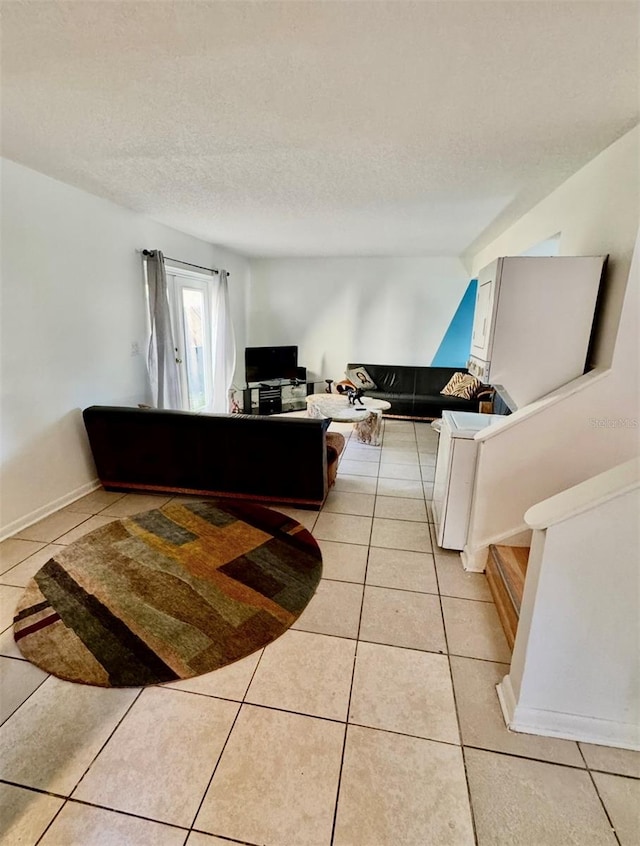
(372, 722)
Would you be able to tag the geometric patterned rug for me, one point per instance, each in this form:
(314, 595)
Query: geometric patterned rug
(168, 594)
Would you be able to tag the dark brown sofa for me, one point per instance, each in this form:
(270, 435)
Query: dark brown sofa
(279, 459)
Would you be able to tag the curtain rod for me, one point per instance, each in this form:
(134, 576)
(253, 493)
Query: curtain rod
(188, 263)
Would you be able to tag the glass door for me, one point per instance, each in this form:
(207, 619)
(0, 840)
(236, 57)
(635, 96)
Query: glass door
(191, 312)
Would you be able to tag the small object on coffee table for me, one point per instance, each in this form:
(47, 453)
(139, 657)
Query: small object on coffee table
(351, 391)
(355, 395)
(329, 383)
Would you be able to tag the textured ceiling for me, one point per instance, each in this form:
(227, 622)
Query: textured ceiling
(319, 128)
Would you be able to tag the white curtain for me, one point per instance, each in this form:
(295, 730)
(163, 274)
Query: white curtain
(224, 346)
(161, 360)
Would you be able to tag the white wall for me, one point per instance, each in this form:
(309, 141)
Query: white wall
(550, 446)
(340, 310)
(72, 305)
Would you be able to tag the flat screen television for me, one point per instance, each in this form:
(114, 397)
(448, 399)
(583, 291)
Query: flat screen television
(262, 364)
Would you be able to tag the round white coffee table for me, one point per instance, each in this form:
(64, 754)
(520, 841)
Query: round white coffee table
(367, 417)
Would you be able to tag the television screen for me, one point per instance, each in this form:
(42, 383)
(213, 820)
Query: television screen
(265, 363)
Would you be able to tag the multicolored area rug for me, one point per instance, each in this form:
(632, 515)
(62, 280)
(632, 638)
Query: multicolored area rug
(168, 594)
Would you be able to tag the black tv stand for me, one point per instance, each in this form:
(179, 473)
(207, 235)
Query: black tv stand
(274, 396)
(269, 399)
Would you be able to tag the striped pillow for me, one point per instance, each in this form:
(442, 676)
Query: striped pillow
(462, 385)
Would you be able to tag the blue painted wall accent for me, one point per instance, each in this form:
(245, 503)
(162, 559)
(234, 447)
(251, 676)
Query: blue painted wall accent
(455, 346)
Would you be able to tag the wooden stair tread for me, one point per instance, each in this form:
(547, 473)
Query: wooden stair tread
(506, 571)
(511, 562)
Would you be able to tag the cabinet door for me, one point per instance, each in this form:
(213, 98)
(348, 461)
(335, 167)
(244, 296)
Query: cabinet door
(481, 320)
(483, 316)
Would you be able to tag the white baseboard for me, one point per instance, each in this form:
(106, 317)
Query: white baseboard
(564, 726)
(474, 559)
(45, 510)
(507, 699)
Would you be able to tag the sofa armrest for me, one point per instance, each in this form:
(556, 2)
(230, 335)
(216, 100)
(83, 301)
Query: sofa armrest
(335, 445)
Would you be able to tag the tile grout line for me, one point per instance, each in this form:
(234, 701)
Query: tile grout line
(68, 800)
(17, 708)
(68, 510)
(347, 637)
(521, 757)
(335, 813)
(217, 764)
(490, 751)
(334, 720)
(455, 705)
(22, 560)
(39, 790)
(463, 746)
(115, 728)
(93, 760)
(353, 673)
(395, 645)
(57, 537)
(602, 802)
(230, 840)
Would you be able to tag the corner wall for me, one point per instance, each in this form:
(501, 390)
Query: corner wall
(340, 310)
(72, 306)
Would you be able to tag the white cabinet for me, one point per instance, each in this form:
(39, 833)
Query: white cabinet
(533, 321)
(483, 316)
(455, 473)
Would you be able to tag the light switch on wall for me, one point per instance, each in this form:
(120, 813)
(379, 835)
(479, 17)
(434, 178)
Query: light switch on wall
(135, 349)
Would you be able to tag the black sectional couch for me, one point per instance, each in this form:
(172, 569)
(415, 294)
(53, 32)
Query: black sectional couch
(278, 459)
(415, 391)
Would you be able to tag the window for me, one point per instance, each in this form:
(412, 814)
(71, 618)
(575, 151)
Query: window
(190, 296)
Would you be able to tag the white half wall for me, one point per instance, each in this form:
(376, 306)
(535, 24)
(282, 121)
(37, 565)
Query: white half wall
(575, 670)
(340, 310)
(591, 424)
(72, 307)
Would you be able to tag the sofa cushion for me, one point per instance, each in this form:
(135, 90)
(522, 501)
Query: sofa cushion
(392, 379)
(390, 396)
(400, 403)
(358, 376)
(431, 380)
(462, 385)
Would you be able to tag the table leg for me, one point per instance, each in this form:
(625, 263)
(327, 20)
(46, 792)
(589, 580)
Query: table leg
(314, 411)
(369, 430)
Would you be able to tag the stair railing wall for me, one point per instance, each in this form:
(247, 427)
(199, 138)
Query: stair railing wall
(575, 671)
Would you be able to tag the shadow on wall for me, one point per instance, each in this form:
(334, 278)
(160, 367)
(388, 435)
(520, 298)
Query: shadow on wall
(325, 340)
